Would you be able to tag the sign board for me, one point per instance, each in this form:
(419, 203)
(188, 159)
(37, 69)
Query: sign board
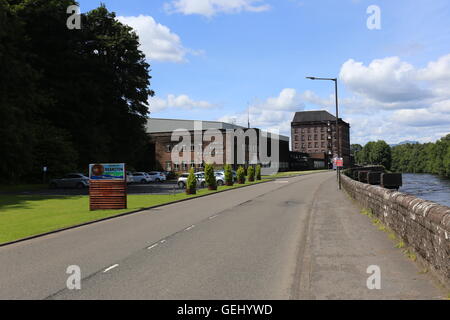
(107, 187)
(339, 162)
(107, 172)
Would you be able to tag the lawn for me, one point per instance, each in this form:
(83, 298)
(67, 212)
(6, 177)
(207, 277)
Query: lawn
(22, 216)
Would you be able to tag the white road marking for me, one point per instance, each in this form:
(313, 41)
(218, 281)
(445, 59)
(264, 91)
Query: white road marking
(190, 228)
(162, 241)
(281, 181)
(153, 246)
(110, 268)
(213, 217)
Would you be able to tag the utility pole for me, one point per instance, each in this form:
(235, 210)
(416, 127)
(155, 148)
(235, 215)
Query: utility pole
(338, 143)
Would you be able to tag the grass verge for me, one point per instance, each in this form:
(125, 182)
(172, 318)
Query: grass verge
(23, 216)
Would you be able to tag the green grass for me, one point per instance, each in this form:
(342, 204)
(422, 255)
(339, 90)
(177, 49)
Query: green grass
(22, 216)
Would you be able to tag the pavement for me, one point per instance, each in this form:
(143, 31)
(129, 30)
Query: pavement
(293, 238)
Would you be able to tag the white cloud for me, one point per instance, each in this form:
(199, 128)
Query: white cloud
(158, 42)
(181, 102)
(210, 8)
(274, 113)
(394, 100)
(388, 80)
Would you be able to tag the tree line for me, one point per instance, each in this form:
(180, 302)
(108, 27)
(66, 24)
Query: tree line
(68, 97)
(430, 157)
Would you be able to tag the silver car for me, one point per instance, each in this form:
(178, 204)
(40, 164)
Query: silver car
(200, 176)
(71, 180)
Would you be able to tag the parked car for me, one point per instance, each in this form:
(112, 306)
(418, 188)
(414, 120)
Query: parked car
(220, 178)
(71, 180)
(157, 176)
(200, 176)
(130, 178)
(141, 177)
(222, 173)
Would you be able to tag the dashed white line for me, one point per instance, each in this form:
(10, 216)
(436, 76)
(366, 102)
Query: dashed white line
(153, 246)
(110, 268)
(213, 217)
(190, 228)
(162, 241)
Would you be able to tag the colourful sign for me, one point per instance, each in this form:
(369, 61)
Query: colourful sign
(339, 162)
(107, 171)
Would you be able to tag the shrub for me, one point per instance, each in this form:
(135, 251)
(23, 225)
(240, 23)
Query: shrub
(251, 174)
(258, 172)
(240, 175)
(210, 177)
(228, 175)
(191, 184)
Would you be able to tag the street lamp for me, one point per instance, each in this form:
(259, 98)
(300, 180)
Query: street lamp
(337, 122)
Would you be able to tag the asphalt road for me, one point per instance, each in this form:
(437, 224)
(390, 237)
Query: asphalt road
(296, 238)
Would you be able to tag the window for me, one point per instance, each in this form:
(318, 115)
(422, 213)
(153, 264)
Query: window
(322, 137)
(192, 148)
(168, 148)
(192, 164)
(184, 166)
(309, 145)
(168, 166)
(296, 146)
(315, 137)
(309, 138)
(316, 145)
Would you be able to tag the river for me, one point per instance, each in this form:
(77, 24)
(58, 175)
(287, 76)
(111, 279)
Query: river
(428, 187)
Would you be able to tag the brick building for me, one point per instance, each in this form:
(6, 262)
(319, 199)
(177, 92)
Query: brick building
(314, 133)
(161, 130)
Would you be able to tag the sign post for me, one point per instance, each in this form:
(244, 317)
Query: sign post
(107, 186)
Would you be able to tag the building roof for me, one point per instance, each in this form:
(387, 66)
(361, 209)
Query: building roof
(313, 116)
(157, 125)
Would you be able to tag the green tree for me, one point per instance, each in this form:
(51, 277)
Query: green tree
(210, 177)
(240, 175)
(380, 154)
(258, 172)
(191, 183)
(228, 175)
(251, 174)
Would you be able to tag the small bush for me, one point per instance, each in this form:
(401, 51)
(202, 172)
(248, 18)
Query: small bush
(191, 184)
(258, 172)
(228, 175)
(240, 175)
(210, 178)
(251, 174)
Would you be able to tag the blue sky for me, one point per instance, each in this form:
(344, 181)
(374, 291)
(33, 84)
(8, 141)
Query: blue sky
(217, 59)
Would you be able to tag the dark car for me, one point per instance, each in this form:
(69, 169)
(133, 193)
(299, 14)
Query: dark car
(71, 180)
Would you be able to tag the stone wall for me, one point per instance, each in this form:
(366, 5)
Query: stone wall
(423, 225)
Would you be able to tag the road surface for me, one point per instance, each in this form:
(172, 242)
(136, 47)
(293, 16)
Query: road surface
(296, 238)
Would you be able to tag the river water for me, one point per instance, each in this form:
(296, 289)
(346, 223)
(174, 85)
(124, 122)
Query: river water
(428, 187)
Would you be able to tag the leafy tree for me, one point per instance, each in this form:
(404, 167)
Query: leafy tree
(251, 174)
(381, 154)
(228, 175)
(210, 178)
(90, 87)
(240, 175)
(191, 183)
(258, 172)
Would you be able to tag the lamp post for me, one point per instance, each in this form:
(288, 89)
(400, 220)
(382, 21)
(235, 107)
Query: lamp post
(338, 144)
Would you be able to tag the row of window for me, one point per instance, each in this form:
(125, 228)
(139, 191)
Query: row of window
(316, 137)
